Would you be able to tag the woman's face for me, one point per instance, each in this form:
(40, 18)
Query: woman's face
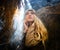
(30, 16)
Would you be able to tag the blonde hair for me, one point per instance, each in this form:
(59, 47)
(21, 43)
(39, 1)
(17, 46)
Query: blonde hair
(41, 29)
(30, 10)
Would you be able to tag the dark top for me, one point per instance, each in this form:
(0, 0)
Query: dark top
(39, 46)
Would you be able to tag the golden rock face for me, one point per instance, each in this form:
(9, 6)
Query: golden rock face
(7, 10)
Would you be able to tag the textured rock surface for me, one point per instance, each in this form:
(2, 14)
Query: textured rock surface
(37, 4)
(50, 16)
(7, 9)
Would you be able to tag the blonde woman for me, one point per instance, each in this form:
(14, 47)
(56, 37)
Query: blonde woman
(36, 33)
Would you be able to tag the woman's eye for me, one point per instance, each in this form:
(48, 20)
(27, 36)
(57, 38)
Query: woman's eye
(32, 13)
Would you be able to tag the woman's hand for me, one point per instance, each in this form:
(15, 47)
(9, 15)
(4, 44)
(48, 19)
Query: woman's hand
(25, 26)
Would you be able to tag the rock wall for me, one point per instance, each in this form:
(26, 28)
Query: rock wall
(50, 16)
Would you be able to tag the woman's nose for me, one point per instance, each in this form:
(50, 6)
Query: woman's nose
(29, 14)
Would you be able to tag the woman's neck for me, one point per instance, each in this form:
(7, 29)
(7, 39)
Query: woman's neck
(30, 23)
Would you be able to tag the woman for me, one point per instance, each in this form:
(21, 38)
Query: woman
(36, 33)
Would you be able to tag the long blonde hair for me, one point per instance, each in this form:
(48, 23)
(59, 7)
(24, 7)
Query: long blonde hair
(41, 29)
